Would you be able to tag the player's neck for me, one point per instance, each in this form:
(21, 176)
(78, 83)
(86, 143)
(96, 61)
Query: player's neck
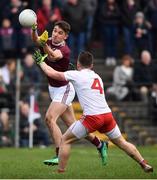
(59, 44)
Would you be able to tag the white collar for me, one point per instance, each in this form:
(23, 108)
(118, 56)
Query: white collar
(59, 44)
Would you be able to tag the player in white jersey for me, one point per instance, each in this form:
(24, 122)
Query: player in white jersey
(61, 92)
(96, 113)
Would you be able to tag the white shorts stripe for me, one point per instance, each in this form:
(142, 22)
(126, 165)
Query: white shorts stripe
(65, 96)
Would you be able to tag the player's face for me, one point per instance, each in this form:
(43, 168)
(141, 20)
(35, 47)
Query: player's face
(58, 35)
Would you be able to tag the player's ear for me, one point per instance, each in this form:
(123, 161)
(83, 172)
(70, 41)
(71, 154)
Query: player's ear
(66, 36)
(78, 65)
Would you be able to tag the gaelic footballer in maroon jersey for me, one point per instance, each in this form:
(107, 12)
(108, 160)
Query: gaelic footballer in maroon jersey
(61, 65)
(62, 92)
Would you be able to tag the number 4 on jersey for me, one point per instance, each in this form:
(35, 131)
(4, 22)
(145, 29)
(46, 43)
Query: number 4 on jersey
(96, 85)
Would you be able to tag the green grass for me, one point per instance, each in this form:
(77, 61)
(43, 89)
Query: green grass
(83, 164)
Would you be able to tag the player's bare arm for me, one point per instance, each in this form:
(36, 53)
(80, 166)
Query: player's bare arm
(53, 55)
(34, 34)
(39, 40)
(51, 72)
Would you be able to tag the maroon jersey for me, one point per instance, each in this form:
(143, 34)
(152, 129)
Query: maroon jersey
(59, 65)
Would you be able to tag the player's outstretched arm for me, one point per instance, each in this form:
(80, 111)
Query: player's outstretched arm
(53, 54)
(34, 33)
(39, 59)
(39, 40)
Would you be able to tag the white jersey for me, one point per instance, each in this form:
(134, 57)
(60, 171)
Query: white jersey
(89, 88)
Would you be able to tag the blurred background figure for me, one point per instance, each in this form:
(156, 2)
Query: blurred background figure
(7, 73)
(110, 19)
(7, 39)
(151, 14)
(75, 13)
(144, 75)
(26, 43)
(32, 77)
(47, 15)
(153, 104)
(91, 6)
(122, 87)
(11, 11)
(40, 137)
(5, 129)
(142, 35)
(129, 10)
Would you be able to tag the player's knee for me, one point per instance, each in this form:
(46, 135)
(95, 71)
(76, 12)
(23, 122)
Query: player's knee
(49, 119)
(120, 142)
(63, 141)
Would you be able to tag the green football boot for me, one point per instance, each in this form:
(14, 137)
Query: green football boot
(103, 152)
(51, 162)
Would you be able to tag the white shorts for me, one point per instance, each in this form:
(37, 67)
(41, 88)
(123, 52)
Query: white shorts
(78, 129)
(114, 133)
(64, 94)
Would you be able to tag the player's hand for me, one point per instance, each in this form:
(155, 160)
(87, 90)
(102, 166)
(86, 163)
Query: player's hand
(34, 27)
(43, 38)
(38, 57)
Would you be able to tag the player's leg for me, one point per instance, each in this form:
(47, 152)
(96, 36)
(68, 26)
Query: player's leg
(102, 147)
(63, 97)
(75, 132)
(54, 111)
(116, 137)
(64, 151)
(69, 117)
(132, 151)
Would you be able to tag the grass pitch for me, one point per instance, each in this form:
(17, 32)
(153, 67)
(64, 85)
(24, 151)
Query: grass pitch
(83, 164)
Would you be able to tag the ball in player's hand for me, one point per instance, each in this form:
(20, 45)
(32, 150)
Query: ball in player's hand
(27, 18)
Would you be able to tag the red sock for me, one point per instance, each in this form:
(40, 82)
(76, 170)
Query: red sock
(96, 142)
(143, 163)
(57, 151)
(60, 170)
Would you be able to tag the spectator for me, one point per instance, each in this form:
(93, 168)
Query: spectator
(144, 75)
(4, 95)
(142, 33)
(12, 11)
(76, 40)
(110, 18)
(151, 14)
(7, 73)
(7, 39)
(40, 136)
(91, 6)
(122, 80)
(31, 76)
(8, 70)
(5, 131)
(129, 10)
(25, 40)
(153, 104)
(46, 14)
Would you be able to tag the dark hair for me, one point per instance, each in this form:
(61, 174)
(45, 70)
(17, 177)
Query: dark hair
(64, 26)
(85, 58)
(127, 57)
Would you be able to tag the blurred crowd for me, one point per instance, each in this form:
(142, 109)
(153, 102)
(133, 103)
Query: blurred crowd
(125, 30)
